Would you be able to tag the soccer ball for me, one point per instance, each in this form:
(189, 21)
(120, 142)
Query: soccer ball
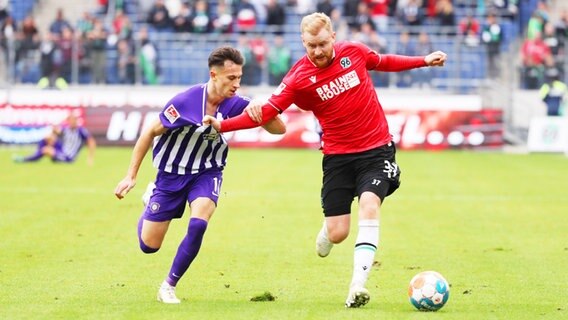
(428, 291)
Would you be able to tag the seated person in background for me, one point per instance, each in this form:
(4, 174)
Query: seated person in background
(63, 144)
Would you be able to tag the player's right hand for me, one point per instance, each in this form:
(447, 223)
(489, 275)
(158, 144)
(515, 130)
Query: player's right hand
(123, 187)
(212, 121)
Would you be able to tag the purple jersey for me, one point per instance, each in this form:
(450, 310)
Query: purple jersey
(187, 147)
(70, 142)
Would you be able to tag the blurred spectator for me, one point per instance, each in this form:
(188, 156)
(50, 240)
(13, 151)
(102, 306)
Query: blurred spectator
(551, 40)
(148, 58)
(429, 10)
(373, 40)
(200, 21)
(51, 61)
(350, 10)
(122, 26)
(279, 61)
(28, 39)
(411, 15)
(81, 55)
(65, 44)
(3, 9)
(325, 6)
(423, 76)
(561, 31)
(85, 23)
(125, 62)
(246, 16)
(159, 17)
(339, 25)
(404, 47)
(491, 36)
(379, 10)
(535, 25)
(57, 26)
(445, 16)
(562, 28)
(363, 17)
(469, 29)
(260, 8)
(96, 42)
(182, 22)
(174, 6)
(534, 54)
(553, 93)
(259, 49)
(103, 6)
(8, 29)
(251, 68)
(275, 16)
(508, 9)
(304, 7)
(223, 18)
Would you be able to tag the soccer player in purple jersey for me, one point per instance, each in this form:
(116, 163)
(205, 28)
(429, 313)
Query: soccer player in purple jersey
(63, 144)
(190, 159)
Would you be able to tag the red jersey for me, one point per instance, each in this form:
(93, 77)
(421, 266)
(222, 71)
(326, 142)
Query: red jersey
(341, 96)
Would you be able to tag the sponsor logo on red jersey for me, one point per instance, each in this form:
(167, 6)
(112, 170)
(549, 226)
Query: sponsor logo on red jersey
(338, 85)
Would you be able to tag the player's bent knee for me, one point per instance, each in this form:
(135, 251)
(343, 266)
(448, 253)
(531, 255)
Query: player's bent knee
(147, 249)
(338, 235)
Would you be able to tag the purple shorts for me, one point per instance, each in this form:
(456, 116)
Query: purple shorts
(60, 156)
(173, 191)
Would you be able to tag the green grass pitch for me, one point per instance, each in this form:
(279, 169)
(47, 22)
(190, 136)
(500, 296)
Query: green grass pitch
(495, 225)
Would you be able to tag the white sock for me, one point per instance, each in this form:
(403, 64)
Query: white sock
(365, 248)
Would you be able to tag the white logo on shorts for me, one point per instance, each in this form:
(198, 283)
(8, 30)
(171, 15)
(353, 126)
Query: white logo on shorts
(154, 206)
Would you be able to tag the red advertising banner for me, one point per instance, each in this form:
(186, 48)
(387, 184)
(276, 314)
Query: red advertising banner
(411, 129)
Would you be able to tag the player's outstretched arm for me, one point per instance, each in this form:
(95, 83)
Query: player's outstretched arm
(396, 63)
(140, 149)
(242, 121)
(274, 126)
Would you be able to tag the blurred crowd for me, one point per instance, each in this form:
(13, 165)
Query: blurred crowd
(78, 51)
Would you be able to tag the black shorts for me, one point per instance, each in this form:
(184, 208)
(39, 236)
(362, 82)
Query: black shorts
(348, 175)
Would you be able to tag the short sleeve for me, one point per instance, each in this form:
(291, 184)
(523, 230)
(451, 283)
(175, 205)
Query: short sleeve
(171, 115)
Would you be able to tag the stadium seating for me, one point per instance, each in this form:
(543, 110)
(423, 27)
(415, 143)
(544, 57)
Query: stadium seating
(182, 60)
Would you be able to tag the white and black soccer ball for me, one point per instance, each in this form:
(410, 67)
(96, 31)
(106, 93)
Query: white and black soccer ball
(428, 291)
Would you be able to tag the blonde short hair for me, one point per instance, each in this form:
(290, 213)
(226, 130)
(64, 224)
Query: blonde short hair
(314, 22)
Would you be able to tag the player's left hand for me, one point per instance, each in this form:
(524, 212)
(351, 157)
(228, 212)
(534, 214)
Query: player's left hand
(436, 59)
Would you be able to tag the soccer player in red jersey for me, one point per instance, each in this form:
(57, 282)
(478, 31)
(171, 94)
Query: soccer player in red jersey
(333, 82)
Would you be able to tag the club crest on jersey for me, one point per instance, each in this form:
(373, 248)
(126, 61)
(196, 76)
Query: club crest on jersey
(338, 85)
(171, 113)
(280, 88)
(345, 62)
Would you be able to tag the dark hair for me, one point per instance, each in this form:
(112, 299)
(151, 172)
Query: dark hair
(220, 55)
